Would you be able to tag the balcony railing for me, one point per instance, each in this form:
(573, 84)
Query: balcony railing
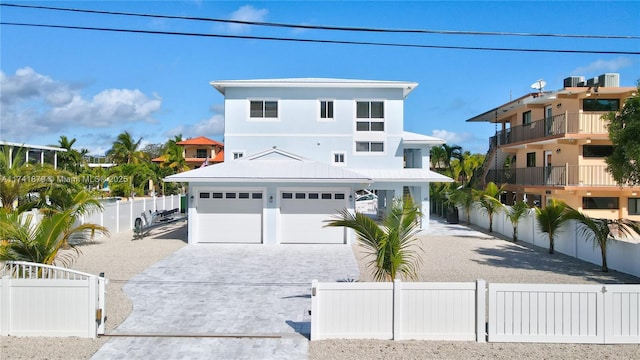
(567, 123)
(568, 175)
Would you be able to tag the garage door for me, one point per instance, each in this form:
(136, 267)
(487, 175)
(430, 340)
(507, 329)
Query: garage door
(229, 217)
(303, 215)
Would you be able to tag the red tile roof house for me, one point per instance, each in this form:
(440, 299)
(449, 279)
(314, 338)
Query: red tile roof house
(199, 151)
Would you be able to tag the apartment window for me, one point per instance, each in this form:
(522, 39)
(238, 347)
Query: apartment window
(600, 104)
(600, 203)
(326, 109)
(526, 118)
(531, 159)
(201, 153)
(369, 146)
(634, 206)
(597, 151)
(338, 158)
(264, 109)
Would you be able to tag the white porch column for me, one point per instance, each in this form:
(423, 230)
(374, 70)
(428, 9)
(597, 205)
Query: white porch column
(41, 157)
(425, 206)
(55, 159)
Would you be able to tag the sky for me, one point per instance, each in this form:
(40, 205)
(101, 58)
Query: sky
(93, 85)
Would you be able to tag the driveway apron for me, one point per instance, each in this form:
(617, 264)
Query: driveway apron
(211, 301)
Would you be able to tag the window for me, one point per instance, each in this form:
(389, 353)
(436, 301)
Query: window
(600, 104)
(201, 153)
(370, 110)
(531, 159)
(237, 155)
(599, 203)
(243, 195)
(634, 206)
(256, 196)
(338, 196)
(526, 118)
(301, 195)
(287, 195)
(326, 109)
(264, 109)
(338, 158)
(326, 196)
(230, 195)
(314, 196)
(366, 146)
(204, 195)
(217, 195)
(597, 151)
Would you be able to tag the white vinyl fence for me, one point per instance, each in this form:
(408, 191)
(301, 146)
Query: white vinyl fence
(397, 310)
(621, 255)
(603, 314)
(43, 300)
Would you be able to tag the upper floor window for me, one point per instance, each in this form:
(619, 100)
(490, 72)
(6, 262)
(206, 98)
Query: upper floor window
(600, 104)
(201, 153)
(526, 118)
(531, 159)
(338, 158)
(370, 110)
(597, 151)
(369, 146)
(326, 109)
(264, 109)
(237, 155)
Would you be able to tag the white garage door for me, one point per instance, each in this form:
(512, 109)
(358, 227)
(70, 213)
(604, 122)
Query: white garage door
(229, 217)
(303, 215)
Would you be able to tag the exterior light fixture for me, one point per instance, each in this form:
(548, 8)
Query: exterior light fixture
(270, 198)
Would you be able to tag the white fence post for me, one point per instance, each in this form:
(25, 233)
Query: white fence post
(92, 284)
(315, 314)
(102, 303)
(131, 214)
(397, 310)
(117, 216)
(5, 305)
(481, 320)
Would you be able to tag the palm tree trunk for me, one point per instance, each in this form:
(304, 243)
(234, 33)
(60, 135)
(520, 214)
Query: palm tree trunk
(515, 234)
(550, 244)
(603, 252)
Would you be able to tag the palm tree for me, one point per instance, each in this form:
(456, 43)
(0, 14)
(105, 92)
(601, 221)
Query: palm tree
(125, 150)
(437, 155)
(551, 218)
(464, 197)
(515, 213)
(71, 159)
(451, 152)
(489, 200)
(392, 243)
(600, 231)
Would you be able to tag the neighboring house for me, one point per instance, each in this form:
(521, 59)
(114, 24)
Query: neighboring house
(553, 144)
(199, 151)
(34, 154)
(297, 150)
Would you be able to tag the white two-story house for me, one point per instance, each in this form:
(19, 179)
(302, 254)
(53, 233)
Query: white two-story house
(296, 152)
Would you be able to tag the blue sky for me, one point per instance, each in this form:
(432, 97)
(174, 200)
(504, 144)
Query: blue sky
(92, 85)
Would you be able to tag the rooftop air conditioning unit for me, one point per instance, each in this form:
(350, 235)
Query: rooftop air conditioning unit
(609, 80)
(592, 82)
(573, 81)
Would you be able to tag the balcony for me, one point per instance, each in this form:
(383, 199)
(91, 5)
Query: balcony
(568, 175)
(561, 124)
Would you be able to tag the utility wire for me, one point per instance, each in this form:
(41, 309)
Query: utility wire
(331, 28)
(324, 41)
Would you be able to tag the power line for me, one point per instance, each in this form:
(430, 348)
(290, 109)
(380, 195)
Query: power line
(331, 28)
(344, 42)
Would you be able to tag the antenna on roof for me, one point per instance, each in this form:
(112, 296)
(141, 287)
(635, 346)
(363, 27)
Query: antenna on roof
(539, 85)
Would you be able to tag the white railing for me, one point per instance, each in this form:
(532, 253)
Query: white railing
(397, 310)
(43, 300)
(622, 255)
(560, 313)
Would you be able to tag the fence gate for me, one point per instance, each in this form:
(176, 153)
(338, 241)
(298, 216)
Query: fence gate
(605, 314)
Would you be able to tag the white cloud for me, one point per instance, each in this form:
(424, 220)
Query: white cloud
(211, 128)
(600, 66)
(246, 13)
(36, 104)
(453, 138)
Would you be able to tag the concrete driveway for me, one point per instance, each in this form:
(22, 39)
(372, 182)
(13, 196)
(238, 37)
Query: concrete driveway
(227, 302)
